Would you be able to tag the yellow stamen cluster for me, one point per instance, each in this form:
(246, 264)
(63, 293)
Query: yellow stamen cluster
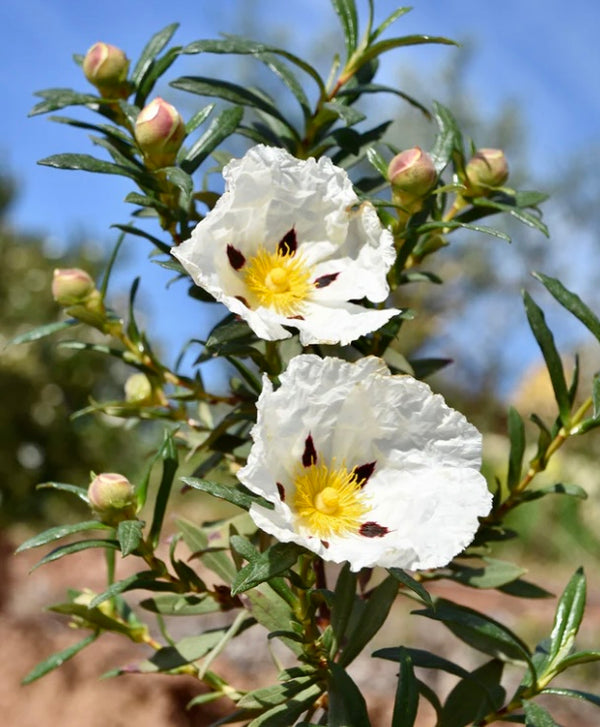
(279, 281)
(328, 500)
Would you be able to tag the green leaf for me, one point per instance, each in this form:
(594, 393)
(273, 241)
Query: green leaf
(524, 589)
(377, 161)
(199, 117)
(526, 218)
(42, 331)
(372, 618)
(272, 562)
(168, 454)
(346, 12)
(449, 139)
(424, 367)
(156, 69)
(88, 163)
(181, 605)
(76, 547)
(60, 531)
(574, 693)
(80, 492)
(479, 631)
(60, 98)
(221, 127)
(234, 494)
(407, 693)
(150, 51)
(112, 132)
(283, 715)
(271, 611)
(493, 574)
(475, 696)
(572, 302)
(347, 706)
(197, 541)
(388, 21)
(559, 488)
(516, 434)
(185, 651)
(383, 46)
(239, 95)
(545, 340)
(569, 613)
(343, 602)
(349, 115)
(130, 534)
(145, 580)
(90, 617)
(58, 659)
(412, 584)
(536, 716)
(131, 230)
(579, 657)
(422, 658)
(275, 694)
(456, 224)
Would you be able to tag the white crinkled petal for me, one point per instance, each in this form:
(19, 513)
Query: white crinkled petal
(269, 192)
(426, 492)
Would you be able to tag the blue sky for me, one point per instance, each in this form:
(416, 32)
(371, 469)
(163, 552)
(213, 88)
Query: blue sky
(544, 54)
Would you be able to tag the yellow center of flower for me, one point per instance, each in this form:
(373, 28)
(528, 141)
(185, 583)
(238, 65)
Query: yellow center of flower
(328, 500)
(278, 281)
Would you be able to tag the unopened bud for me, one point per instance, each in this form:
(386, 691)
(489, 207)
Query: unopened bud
(487, 170)
(106, 67)
(412, 173)
(138, 389)
(71, 286)
(159, 131)
(112, 497)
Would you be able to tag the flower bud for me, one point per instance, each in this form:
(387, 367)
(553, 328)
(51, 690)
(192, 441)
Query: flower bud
(486, 170)
(412, 174)
(159, 131)
(71, 286)
(112, 497)
(138, 389)
(106, 67)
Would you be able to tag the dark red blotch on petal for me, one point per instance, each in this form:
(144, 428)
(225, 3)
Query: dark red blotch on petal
(363, 472)
(288, 243)
(373, 530)
(324, 280)
(309, 456)
(235, 257)
(281, 491)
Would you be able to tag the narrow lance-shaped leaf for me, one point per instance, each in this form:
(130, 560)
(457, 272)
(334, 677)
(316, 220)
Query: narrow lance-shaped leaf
(168, 454)
(221, 127)
(272, 562)
(60, 531)
(347, 706)
(407, 693)
(151, 50)
(42, 331)
(536, 716)
(545, 339)
(346, 12)
(516, 434)
(572, 302)
(569, 614)
(58, 659)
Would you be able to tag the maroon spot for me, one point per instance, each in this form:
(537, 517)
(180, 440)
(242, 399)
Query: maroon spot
(363, 472)
(324, 543)
(324, 280)
(297, 318)
(281, 491)
(309, 456)
(373, 530)
(236, 259)
(288, 243)
(242, 300)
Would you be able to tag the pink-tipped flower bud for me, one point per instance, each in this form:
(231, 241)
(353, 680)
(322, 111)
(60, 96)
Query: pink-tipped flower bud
(412, 173)
(71, 286)
(106, 67)
(159, 132)
(487, 170)
(112, 497)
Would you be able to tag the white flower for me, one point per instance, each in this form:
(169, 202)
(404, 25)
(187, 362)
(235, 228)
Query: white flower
(365, 467)
(288, 244)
